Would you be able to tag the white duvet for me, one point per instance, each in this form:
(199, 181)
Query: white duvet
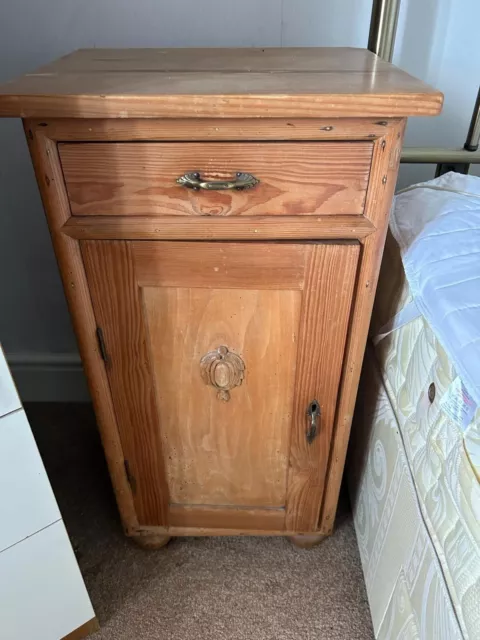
(437, 227)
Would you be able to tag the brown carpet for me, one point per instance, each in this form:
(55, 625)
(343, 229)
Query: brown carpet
(195, 588)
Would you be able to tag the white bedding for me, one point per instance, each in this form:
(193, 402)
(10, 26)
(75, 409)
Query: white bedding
(437, 227)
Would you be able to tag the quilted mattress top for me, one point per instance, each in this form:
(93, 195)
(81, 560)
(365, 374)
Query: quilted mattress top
(437, 227)
(443, 454)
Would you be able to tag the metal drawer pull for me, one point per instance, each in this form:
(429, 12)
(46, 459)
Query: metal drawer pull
(194, 181)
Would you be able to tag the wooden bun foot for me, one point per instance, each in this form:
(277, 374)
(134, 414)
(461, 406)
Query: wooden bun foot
(151, 541)
(307, 541)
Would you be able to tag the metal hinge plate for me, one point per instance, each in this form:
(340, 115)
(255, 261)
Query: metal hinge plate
(101, 345)
(130, 476)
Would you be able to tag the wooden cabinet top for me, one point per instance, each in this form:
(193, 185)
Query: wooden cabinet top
(272, 82)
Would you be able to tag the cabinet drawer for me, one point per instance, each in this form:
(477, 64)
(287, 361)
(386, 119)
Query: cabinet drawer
(294, 178)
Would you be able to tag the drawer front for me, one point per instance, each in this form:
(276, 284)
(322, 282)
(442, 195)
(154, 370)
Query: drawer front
(140, 178)
(216, 352)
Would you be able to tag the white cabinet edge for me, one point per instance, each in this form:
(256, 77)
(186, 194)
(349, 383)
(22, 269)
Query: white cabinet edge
(9, 400)
(27, 502)
(42, 593)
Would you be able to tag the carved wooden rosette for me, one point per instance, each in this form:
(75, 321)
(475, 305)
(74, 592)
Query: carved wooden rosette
(223, 370)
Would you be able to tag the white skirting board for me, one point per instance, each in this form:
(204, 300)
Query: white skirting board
(49, 377)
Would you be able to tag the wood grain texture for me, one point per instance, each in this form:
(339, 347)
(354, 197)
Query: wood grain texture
(329, 283)
(230, 59)
(50, 181)
(277, 82)
(223, 370)
(242, 228)
(221, 517)
(85, 630)
(218, 531)
(225, 265)
(207, 129)
(307, 541)
(385, 163)
(116, 300)
(224, 453)
(296, 178)
(151, 541)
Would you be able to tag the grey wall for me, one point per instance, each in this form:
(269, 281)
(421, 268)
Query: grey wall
(34, 324)
(437, 41)
(34, 318)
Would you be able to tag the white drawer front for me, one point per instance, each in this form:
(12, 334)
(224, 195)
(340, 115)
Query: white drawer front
(42, 593)
(9, 400)
(27, 503)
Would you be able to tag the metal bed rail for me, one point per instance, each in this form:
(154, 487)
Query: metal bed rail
(381, 41)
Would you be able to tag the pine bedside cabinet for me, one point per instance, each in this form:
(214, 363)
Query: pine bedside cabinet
(218, 217)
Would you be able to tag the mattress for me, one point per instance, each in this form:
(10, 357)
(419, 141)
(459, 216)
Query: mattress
(407, 592)
(442, 458)
(437, 227)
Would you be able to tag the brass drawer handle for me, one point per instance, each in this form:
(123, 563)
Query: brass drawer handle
(239, 183)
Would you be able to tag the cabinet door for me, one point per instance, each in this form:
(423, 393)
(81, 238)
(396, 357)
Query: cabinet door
(216, 352)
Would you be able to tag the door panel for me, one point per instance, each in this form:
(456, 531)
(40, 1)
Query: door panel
(215, 352)
(327, 297)
(118, 311)
(217, 452)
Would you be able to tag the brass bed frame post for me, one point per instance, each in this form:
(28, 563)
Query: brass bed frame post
(383, 28)
(473, 136)
(381, 41)
(467, 155)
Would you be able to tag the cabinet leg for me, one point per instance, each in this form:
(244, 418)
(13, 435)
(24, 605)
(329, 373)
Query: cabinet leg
(307, 541)
(151, 541)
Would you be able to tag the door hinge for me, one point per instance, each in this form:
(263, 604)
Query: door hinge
(130, 476)
(101, 345)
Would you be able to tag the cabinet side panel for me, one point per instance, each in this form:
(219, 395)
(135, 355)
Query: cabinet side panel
(383, 178)
(52, 189)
